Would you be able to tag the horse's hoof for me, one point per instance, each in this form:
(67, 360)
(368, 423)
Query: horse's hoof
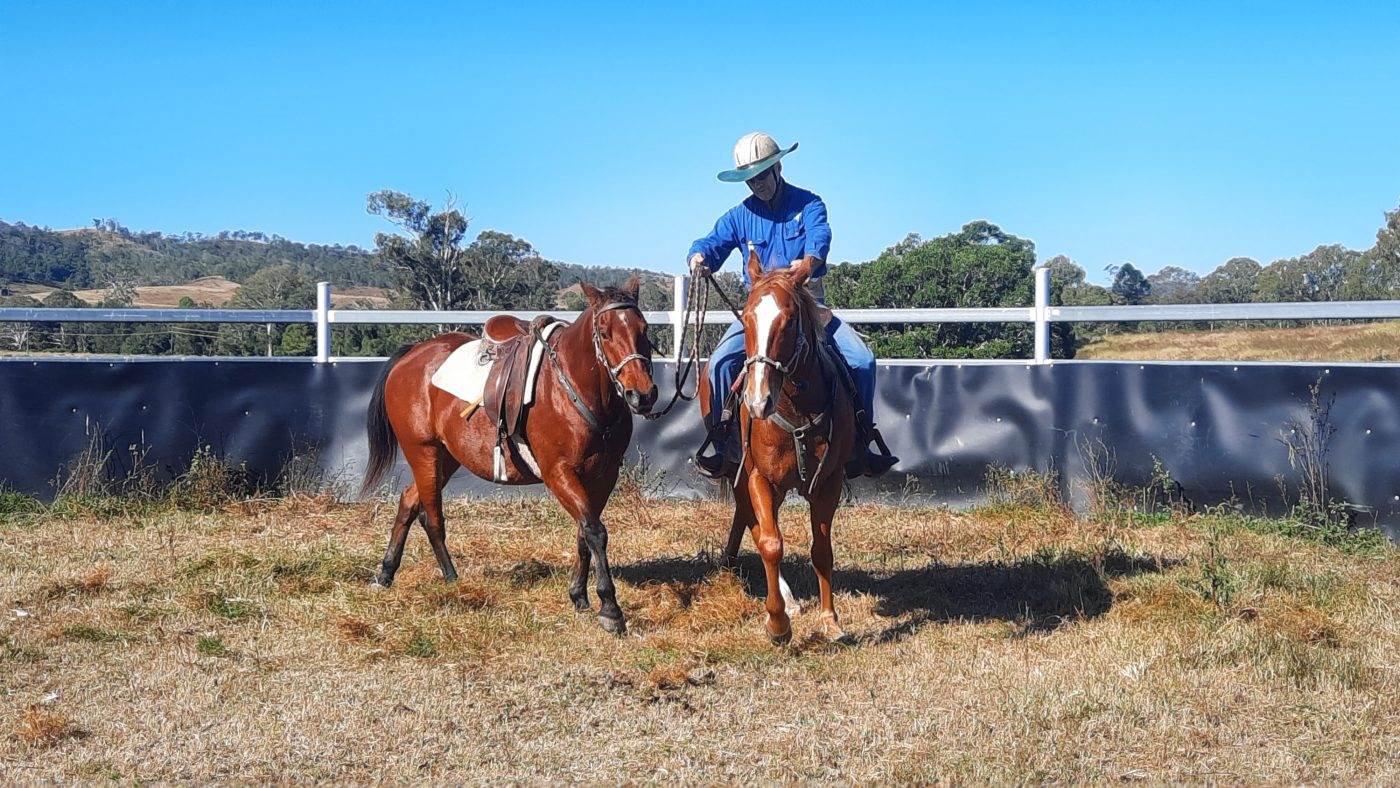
(582, 606)
(833, 632)
(380, 584)
(778, 638)
(614, 625)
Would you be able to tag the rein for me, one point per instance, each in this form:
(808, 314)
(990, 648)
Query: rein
(697, 304)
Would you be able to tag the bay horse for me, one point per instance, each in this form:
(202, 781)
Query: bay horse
(797, 425)
(594, 377)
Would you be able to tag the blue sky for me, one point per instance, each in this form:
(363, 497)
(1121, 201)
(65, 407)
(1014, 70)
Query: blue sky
(1152, 133)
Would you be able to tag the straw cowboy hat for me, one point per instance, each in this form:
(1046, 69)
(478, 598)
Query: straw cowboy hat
(754, 153)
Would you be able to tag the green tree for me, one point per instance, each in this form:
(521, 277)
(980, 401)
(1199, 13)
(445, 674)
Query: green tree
(1376, 274)
(1387, 248)
(505, 272)
(297, 340)
(1064, 273)
(64, 336)
(1315, 276)
(979, 266)
(1236, 281)
(434, 265)
(277, 287)
(1174, 285)
(19, 336)
(1129, 284)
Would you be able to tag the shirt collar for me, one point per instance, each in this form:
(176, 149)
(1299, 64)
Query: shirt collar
(780, 212)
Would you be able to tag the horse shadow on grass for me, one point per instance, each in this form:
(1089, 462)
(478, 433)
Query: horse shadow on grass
(1036, 594)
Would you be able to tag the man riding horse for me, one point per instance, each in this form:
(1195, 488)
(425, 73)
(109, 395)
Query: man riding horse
(782, 223)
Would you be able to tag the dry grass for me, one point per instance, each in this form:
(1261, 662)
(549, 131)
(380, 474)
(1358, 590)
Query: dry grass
(216, 291)
(1013, 643)
(39, 729)
(1357, 342)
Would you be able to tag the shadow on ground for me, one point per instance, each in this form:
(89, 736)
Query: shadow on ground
(1037, 594)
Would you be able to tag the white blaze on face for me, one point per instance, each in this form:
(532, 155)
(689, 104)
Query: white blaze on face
(765, 314)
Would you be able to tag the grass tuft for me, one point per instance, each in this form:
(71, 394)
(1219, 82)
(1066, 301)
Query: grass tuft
(15, 504)
(211, 646)
(90, 633)
(41, 728)
(420, 645)
(231, 608)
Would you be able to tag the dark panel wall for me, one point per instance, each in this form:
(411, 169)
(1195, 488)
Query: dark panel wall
(1215, 427)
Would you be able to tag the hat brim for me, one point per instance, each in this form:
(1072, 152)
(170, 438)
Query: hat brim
(751, 171)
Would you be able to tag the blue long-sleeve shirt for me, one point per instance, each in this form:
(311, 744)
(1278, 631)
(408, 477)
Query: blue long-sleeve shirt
(798, 228)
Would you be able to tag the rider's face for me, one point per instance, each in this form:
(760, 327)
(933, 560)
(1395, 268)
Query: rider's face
(766, 185)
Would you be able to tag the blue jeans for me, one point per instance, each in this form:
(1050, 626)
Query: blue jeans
(728, 359)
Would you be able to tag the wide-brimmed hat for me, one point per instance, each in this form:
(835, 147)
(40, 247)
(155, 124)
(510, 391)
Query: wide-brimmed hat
(754, 153)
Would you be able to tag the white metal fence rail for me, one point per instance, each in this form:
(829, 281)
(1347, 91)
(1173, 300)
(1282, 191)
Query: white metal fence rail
(1040, 315)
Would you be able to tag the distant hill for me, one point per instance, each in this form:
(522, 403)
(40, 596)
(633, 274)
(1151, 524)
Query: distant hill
(34, 261)
(92, 257)
(656, 287)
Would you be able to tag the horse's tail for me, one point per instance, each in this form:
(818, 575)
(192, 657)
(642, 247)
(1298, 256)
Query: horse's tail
(383, 446)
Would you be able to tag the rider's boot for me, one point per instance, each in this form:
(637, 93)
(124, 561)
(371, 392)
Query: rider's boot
(865, 461)
(723, 458)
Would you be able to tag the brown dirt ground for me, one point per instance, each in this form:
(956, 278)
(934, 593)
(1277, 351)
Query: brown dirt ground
(1005, 644)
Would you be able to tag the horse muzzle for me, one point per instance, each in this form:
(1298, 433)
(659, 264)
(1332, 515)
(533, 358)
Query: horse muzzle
(638, 402)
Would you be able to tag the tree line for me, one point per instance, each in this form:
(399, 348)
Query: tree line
(428, 261)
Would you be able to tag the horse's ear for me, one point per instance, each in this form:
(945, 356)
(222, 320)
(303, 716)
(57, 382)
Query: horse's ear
(755, 266)
(801, 270)
(633, 287)
(593, 294)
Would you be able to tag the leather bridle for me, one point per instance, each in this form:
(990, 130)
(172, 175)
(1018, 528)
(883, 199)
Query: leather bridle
(785, 367)
(570, 389)
(615, 369)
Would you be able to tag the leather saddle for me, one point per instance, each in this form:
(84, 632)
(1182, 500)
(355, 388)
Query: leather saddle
(508, 340)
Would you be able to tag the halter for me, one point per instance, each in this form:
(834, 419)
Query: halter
(612, 370)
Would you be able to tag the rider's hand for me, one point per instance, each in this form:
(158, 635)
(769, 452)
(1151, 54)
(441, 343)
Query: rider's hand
(697, 265)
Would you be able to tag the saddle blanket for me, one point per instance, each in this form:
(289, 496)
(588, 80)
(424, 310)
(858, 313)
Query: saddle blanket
(464, 373)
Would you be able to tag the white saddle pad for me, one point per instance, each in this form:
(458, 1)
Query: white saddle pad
(463, 374)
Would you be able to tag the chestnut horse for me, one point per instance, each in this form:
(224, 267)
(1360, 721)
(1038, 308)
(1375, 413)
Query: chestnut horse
(797, 425)
(576, 433)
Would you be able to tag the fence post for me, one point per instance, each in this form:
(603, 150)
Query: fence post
(323, 322)
(679, 291)
(1042, 315)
